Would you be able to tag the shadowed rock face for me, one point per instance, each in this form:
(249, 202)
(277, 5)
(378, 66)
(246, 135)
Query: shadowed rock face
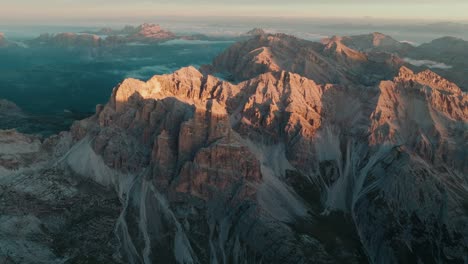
(290, 165)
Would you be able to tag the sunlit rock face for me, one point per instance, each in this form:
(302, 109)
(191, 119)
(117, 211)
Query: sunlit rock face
(145, 33)
(177, 131)
(328, 62)
(151, 31)
(204, 138)
(376, 42)
(426, 113)
(312, 156)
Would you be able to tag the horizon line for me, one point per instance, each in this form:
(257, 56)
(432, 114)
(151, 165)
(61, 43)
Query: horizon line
(151, 19)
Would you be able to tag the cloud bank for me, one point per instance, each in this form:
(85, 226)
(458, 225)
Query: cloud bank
(428, 63)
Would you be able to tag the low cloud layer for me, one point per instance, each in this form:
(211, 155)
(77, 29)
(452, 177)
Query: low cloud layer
(428, 63)
(193, 42)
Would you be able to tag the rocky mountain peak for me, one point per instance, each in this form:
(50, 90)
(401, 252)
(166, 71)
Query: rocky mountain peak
(150, 26)
(331, 61)
(376, 42)
(256, 32)
(336, 47)
(185, 84)
(405, 73)
(429, 79)
(419, 110)
(152, 31)
(379, 39)
(435, 81)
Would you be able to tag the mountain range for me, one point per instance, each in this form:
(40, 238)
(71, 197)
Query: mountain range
(144, 34)
(282, 150)
(445, 55)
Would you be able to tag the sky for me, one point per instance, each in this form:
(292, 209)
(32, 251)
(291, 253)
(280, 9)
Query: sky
(15, 11)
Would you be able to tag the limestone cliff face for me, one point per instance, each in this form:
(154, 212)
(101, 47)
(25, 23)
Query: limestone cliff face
(424, 112)
(198, 110)
(172, 128)
(198, 137)
(178, 130)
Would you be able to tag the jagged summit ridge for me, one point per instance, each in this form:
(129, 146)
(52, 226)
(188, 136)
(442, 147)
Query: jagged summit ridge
(376, 42)
(256, 32)
(106, 37)
(152, 31)
(330, 62)
(220, 119)
(425, 112)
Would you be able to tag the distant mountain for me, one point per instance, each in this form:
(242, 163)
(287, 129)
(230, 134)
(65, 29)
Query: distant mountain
(376, 42)
(255, 32)
(67, 40)
(150, 32)
(330, 62)
(445, 48)
(145, 33)
(450, 51)
(448, 27)
(446, 55)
